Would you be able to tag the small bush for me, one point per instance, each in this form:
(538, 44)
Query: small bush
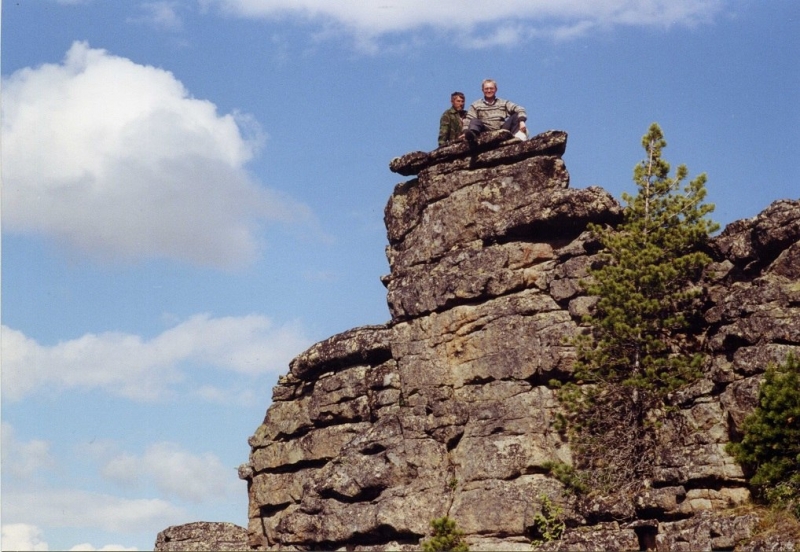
(770, 446)
(548, 524)
(572, 480)
(446, 537)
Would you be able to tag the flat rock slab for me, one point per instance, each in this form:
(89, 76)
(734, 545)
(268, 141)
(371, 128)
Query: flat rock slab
(552, 142)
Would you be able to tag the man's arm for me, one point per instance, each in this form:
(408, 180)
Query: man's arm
(511, 107)
(472, 113)
(519, 110)
(444, 129)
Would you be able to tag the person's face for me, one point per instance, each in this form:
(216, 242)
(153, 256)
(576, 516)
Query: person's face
(489, 91)
(458, 102)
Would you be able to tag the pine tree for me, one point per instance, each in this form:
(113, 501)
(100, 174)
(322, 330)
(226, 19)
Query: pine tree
(771, 442)
(640, 345)
(645, 287)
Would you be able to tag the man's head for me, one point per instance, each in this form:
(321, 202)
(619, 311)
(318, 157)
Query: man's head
(489, 88)
(457, 100)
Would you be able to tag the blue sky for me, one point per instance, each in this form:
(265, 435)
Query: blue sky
(193, 193)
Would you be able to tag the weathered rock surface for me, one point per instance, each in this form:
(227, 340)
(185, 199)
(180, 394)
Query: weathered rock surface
(485, 152)
(448, 408)
(201, 536)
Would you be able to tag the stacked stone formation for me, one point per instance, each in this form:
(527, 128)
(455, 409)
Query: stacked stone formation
(202, 536)
(446, 409)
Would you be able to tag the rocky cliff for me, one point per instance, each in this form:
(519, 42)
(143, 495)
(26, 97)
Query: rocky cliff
(447, 409)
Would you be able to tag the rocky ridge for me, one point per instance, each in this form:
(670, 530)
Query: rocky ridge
(447, 409)
(202, 536)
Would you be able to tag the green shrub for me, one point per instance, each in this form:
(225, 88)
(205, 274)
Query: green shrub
(770, 446)
(548, 524)
(572, 480)
(446, 537)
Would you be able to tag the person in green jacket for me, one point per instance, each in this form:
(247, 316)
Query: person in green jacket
(451, 125)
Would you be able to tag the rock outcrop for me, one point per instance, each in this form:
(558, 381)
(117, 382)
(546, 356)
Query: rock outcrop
(447, 409)
(202, 536)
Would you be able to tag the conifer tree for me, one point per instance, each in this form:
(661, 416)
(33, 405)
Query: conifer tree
(645, 287)
(640, 345)
(771, 442)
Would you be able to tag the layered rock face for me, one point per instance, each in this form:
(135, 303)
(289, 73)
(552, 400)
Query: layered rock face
(202, 536)
(448, 410)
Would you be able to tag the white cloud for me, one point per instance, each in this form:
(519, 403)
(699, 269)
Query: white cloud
(161, 15)
(118, 161)
(367, 18)
(130, 366)
(83, 509)
(106, 548)
(225, 396)
(23, 459)
(175, 472)
(22, 536)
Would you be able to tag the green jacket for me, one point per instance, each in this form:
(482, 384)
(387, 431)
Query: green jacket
(451, 125)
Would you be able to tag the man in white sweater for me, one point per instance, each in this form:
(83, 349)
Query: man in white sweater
(493, 113)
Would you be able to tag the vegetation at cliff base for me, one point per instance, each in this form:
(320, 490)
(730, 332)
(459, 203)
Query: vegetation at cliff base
(446, 537)
(770, 445)
(640, 346)
(548, 524)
